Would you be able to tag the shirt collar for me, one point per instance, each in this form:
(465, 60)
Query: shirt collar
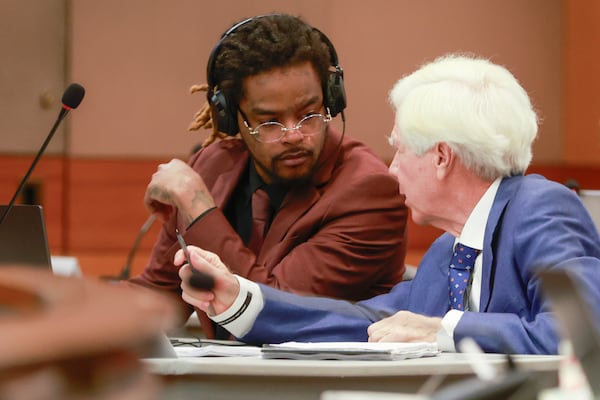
(474, 229)
(276, 192)
(254, 180)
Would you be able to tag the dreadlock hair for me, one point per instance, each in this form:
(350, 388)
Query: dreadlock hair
(203, 118)
(259, 45)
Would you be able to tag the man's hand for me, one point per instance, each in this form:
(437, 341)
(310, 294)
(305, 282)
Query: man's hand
(226, 286)
(405, 326)
(176, 184)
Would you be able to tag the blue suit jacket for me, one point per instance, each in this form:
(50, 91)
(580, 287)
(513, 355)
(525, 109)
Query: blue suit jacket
(534, 223)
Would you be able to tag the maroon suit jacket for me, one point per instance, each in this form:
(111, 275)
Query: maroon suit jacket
(343, 236)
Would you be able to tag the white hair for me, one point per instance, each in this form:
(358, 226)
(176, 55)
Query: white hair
(478, 108)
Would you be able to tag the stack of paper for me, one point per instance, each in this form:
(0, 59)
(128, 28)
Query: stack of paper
(216, 350)
(349, 350)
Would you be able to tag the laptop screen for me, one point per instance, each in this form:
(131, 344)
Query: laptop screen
(23, 238)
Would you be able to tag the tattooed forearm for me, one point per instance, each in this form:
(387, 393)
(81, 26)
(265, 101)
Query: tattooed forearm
(202, 200)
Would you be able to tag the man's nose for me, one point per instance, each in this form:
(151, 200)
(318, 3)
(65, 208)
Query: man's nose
(292, 134)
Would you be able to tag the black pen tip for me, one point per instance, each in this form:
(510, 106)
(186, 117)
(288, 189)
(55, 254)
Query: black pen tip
(201, 280)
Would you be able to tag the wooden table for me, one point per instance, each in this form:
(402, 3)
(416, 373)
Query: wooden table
(256, 378)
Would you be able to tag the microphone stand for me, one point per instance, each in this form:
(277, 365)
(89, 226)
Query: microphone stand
(126, 271)
(71, 98)
(63, 112)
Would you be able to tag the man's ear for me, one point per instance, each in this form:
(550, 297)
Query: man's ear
(443, 158)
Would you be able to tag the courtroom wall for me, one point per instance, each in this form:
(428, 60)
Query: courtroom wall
(138, 58)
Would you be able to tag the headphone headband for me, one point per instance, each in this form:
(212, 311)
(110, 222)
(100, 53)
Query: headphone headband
(224, 112)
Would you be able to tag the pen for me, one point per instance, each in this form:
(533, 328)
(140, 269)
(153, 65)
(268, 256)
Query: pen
(199, 280)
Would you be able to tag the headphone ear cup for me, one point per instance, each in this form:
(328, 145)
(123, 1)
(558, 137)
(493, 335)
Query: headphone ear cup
(224, 120)
(336, 93)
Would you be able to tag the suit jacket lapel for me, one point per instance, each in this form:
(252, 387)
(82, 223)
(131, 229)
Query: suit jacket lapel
(295, 204)
(429, 288)
(503, 196)
(228, 180)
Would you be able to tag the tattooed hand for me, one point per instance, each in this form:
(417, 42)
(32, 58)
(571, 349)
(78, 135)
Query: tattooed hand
(177, 185)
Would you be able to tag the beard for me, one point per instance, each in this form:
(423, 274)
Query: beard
(281, 174)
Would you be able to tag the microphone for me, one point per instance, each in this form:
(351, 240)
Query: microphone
(573, 185)
(71, 98)
(126, 271)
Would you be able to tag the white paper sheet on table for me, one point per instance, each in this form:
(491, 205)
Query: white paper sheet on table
(316, 350)
(216, 350)
(350, 350)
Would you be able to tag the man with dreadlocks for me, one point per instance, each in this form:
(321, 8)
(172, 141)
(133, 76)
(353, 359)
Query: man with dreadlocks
(334, 226)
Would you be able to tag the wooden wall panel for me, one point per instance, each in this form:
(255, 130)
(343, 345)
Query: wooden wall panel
(106, 202)
(582, 81)
(104, 199)
(106, 213)
(93, 208)
(588, 176)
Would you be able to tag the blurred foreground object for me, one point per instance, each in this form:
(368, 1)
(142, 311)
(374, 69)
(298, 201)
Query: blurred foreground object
(73, 338)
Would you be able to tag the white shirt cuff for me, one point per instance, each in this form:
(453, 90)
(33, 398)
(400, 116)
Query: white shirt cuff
(239, 318)
(445, 336)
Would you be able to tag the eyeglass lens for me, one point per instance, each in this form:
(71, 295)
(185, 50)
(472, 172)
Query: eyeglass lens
(309, 125)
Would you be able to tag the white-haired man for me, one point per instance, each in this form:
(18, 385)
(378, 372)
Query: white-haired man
(463, 133)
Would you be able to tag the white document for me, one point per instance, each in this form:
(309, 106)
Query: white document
(217, 350)
(350, 350)
(362, 395)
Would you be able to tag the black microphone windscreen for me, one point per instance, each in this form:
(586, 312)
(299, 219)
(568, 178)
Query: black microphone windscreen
(73, 95)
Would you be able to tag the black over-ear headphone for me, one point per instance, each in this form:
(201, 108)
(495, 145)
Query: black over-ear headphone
(225, 113)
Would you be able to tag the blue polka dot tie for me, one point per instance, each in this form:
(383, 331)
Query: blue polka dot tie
(459, 273)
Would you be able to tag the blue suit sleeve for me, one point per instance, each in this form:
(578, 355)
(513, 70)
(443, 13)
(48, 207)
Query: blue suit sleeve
(287, 317)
